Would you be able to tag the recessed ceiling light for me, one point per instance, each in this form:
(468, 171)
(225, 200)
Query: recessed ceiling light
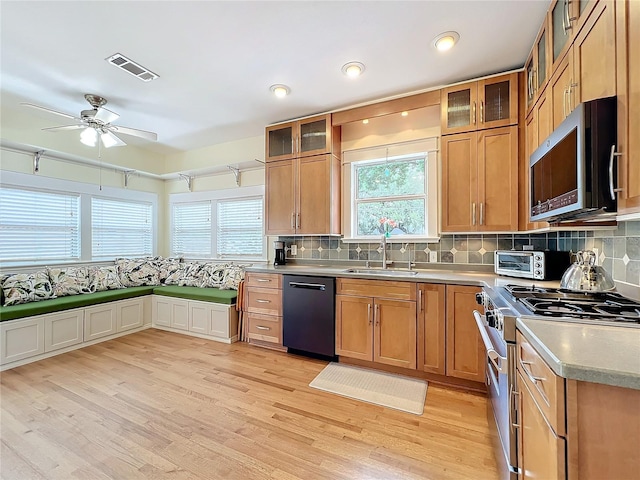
(404, 114)
(353, 69)
(446, 40)
(280, 90)
(365, 121)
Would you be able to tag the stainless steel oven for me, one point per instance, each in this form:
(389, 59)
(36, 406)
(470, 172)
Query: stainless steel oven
(497, 329)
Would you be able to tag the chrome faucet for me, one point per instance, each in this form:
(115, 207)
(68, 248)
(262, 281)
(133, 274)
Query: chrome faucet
(383, 244)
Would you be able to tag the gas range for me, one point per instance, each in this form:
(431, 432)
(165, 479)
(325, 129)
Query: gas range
(605, 308)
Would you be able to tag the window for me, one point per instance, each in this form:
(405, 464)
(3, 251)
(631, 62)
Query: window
(38, 225)
(240, 228)
(226, 224)
(191, 236)
(120, 228)
(392, 191)
(390, 196)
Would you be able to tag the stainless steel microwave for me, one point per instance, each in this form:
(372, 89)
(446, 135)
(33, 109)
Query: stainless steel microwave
(536, 265)
(573, 173)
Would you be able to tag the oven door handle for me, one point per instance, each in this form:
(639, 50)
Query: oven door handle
(500, 363)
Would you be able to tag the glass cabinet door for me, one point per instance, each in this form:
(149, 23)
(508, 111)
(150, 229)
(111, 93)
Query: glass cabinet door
(498, 101)
(314, 136)
(541, 70)
(459, 110)
(280, 142)
(560, 28)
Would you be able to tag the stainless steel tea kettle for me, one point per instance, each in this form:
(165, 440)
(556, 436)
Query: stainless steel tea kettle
(584, 275)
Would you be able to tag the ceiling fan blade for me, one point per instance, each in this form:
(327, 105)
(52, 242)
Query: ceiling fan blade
(49, 110)
(105, 116)
(110, 140)
(65, 127)
(135, 132)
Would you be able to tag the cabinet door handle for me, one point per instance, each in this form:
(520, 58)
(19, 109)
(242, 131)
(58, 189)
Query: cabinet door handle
(262, 280)
(533, 379)
(529, 83)
(293, 220)
(298, 222)
(572, 86)
(369, 313)
(259, 300)
(564, 16)
(420, 299)
(481, 213)
(260, 327)
(564, 103)
(567, 16)
(474, 113)
(377, 314)
(613, 190)
(481, 111)
(473, 213)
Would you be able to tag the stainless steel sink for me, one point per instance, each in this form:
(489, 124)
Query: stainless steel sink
(380, 271)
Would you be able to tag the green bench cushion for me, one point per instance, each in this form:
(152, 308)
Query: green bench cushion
(227, 297)
(72, 301)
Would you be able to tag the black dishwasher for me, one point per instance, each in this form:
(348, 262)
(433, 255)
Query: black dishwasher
(308, 315)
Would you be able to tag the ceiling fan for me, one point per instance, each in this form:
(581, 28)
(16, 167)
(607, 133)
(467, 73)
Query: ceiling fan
(95, 123)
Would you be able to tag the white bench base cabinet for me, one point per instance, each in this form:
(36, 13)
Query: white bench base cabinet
(212, 321)
(34, 338)
(38, 337)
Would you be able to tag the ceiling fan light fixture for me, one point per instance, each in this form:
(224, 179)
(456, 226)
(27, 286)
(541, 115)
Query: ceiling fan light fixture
(280, 90)
(89, 137)
(353, 69)
(445, 41)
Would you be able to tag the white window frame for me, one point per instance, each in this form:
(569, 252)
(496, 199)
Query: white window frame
(86, 191)
(426, 148)
(214, 196)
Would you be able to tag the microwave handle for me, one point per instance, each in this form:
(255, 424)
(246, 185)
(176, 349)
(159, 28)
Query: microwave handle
(613, 190)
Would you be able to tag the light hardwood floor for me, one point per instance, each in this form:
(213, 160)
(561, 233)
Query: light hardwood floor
(159, 405)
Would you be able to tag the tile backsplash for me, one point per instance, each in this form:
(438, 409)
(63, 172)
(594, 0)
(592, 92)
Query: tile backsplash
(618, 249)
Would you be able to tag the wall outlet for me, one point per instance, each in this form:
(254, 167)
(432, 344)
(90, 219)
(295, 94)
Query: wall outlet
(433, 257)
(293, 250)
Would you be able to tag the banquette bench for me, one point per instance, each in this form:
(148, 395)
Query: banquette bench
(39, 329)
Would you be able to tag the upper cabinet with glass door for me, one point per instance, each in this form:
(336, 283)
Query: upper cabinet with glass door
(302, 138)
(488, 103)
(537, 67)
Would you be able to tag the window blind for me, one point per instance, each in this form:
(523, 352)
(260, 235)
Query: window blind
(120, 228)
(191, 235)
(240, 228)
(37, 225)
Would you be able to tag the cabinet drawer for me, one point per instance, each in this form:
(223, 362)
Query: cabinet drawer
(545, 386)
(266, 328)
(267, 301)
(376, 288)
(264, 280)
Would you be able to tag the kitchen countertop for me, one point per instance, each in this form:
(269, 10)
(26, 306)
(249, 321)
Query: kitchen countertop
(458, 277)
(594, 353)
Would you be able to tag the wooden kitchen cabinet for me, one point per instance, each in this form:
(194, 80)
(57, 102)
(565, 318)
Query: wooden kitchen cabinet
(263, 309)
(537, 67)
(431, 328)
(372, 328)
(488, 103)
(303, 196)
(542, 452)
(466, 354)
(628, 94)
(480, 181)
(594, 55)
(562, 89)
(301, 138)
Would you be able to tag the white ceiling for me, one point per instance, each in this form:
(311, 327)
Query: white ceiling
(216, 60)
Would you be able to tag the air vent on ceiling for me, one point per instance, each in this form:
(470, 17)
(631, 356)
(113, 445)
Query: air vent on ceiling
(131, 67)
